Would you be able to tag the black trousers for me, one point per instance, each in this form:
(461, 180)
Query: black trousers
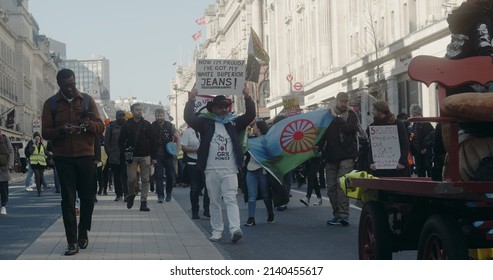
(120, 178)
(76, 178)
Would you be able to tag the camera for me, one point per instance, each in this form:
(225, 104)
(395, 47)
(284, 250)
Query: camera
(129, 155)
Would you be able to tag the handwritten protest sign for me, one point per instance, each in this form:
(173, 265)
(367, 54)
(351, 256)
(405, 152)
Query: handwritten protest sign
(291, 106)
(385, 146)
(201, 103)
(220, 76)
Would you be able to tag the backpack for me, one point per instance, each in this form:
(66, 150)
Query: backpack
(54, 105)
(4, 151)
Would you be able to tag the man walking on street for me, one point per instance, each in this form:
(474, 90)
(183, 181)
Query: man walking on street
(220, 155)
(71, 119)
(115, 156)
(164, 132)
(137, 142)
(340, 152)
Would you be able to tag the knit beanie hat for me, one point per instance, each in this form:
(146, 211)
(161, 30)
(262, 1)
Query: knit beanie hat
(381, 106)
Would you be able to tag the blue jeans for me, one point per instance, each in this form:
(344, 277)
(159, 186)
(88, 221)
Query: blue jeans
(29, 177)
(197, 183)
(164, 165)
(257, 182)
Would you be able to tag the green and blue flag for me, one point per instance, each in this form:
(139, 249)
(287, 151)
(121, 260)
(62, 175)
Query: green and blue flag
(290, 142)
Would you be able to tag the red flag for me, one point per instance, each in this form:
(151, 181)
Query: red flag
(200, 21)
(197, 35)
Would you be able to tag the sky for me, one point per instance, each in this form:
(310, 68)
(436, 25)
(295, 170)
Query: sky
(141, 39)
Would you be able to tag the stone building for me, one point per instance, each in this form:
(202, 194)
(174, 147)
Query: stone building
(362, 47)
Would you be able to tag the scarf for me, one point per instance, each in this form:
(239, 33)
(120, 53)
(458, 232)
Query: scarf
(230, 118)
(211, 116)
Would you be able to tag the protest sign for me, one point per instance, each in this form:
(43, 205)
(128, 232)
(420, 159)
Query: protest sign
(220, 76)
(385, 146)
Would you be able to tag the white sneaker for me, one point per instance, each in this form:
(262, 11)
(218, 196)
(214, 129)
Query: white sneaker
(3, 211)
(29, 189)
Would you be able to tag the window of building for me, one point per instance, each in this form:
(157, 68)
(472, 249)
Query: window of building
(408, 92)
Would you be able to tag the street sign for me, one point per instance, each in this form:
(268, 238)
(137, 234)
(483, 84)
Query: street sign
(36, 124)
(289, 78)
(297, 86)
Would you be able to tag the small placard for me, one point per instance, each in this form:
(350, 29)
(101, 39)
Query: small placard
(385, 146)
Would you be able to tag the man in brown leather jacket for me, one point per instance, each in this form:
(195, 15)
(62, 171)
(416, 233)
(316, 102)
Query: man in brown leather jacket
(70, 120)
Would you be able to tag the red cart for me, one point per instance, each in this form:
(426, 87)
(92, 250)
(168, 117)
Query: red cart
(441, 220)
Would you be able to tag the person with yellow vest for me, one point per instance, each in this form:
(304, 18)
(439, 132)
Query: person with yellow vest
(37, 159)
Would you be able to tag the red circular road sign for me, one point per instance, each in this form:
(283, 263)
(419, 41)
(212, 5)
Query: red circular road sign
(289, 77)
(298, 86)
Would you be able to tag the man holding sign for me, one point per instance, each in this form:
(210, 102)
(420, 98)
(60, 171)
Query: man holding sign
(220, 155)
(389, 143)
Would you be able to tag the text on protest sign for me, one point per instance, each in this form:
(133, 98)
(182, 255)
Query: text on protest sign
(385, 146)
(201, 103)
(220, 76)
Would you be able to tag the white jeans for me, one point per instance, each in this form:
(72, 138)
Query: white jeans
(223, 185)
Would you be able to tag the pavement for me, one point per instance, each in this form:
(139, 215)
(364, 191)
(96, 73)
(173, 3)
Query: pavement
(164, 233)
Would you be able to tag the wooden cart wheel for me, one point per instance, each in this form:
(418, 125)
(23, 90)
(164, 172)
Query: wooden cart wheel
(374, 236)
(442, 239)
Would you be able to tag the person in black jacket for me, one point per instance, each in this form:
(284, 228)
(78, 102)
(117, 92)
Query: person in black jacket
(383, 117)
(220, 155)
(164, 131)
(420, 130)
(340, 153)
(137, 141)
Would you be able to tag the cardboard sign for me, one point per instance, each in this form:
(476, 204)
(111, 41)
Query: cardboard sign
(220, 76)
(291, 106)
(385, 146)
(201, 103)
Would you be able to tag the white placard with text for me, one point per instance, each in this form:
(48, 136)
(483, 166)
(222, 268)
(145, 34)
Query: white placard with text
(385, 146)
(220, 76)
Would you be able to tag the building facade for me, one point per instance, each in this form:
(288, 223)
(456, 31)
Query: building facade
(27, 72)
(90, 72)
(362, 47)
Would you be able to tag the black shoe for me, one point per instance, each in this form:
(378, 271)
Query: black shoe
(195, 216)
(130, 201)
(143, 206)
(207, 214)
(125, 198)
(83, 243)
(94, 199)
(168, 198)
(250, 222)
(72, 249)
(99, 192)
(105, 193)
(270, 219)
(118, 198)
(282, 208)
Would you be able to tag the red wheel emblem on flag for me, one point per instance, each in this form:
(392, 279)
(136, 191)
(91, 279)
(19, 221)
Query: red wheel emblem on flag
(298, 136)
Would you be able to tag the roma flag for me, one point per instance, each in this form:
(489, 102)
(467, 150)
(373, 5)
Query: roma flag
(290, 142)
